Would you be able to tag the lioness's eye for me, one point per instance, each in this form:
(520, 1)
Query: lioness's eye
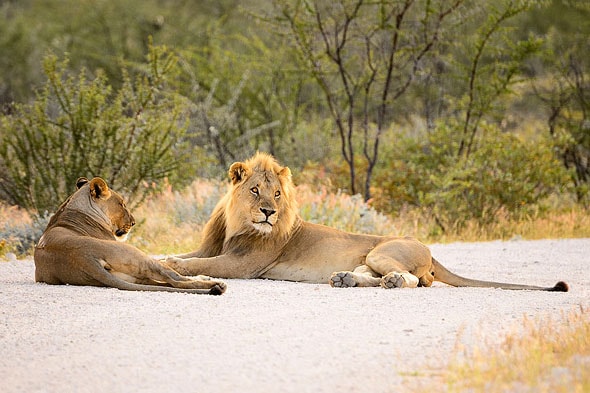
(277, 194)
(254, 190)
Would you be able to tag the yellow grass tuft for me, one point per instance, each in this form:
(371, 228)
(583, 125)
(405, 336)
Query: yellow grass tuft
(541, 355)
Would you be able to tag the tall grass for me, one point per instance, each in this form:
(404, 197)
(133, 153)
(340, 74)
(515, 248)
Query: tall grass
(541, 355)
(171, 222)
(571, 222)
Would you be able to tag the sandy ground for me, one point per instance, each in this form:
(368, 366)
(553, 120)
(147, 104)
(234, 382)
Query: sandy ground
(270, 336)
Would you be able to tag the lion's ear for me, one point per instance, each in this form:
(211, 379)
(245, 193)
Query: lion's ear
(238, 171)
(81, 181)
(286, 172)
(99, 189)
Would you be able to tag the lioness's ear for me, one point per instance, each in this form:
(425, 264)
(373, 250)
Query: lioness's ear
(99, 188)
(238, 171)
(81, 181)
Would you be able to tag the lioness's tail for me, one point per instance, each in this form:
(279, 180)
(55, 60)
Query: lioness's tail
(442, 274)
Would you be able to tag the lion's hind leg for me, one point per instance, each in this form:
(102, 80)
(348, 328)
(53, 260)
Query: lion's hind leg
(399, 280)
(362, 276)
(394, 273)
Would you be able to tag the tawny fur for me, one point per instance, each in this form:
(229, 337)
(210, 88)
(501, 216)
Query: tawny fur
(255, 231)
(80, 247)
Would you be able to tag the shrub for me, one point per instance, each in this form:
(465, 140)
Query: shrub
(19, 230)
(79, 126)
(342, 211)
(497, 178)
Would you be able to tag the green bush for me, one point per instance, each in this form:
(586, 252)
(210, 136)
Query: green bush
(503, 175)
(81, 126)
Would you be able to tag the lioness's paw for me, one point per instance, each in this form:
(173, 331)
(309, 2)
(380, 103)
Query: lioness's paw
(218, 289)
(343, 280)
(399, 280)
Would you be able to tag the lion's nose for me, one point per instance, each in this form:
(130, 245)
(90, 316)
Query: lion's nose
(267, 212)
(132, 220)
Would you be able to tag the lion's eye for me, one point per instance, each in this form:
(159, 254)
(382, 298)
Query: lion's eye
(254, 190)
(277, 194)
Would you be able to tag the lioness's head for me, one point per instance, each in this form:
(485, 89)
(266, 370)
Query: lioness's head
(111, 204)
(262, 200)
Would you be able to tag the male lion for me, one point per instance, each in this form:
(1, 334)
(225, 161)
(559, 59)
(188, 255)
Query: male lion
(79, 247)
(255, 232)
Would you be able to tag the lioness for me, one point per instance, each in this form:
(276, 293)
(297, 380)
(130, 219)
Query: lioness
(79, 247)
(255, 232)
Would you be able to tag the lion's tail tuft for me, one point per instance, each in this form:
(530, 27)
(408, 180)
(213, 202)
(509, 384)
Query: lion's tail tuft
(560, 287)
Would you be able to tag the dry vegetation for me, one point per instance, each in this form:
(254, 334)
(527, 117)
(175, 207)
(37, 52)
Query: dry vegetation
(541, 355)
(171, 222)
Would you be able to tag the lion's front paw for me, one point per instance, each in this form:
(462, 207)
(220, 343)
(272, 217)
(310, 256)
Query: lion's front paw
(174, 263)
(343, 280)
(399, 280)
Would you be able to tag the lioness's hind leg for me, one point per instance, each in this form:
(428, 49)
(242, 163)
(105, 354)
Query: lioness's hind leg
(157, 271)
(362, 276)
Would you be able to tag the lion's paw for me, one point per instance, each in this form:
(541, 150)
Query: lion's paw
(399, 280)
(176, 264)
(343, 280)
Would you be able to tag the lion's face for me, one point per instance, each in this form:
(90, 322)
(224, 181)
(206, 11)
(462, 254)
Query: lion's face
(262, 199)
(260, 195)
(112, 205)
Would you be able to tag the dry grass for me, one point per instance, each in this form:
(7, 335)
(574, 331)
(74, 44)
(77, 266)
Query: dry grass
(541, 355)
(18, 230)
(172, 221)
(573, 222)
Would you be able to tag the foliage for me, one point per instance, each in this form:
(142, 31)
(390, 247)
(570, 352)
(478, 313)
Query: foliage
(234, 114)
(82, 127)
(563, 90)
(488, 64)
(19, 231)
(363, 56)
(491, 181)
(251, 85)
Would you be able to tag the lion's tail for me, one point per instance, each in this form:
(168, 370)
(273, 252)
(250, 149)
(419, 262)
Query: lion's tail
(444, 275)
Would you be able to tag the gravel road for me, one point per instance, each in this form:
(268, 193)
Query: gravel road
(272, 336)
